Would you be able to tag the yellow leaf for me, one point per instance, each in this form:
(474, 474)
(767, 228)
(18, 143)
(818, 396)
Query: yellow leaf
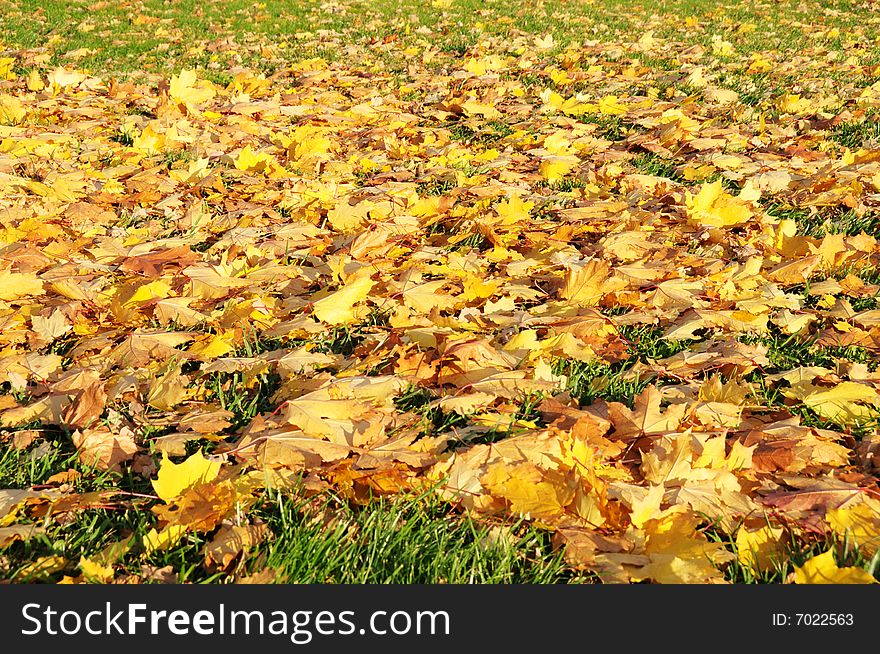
(6, 68)
(840, 402)
(530, 491)
(425, 297)
(212, 346)
(17, 533)
(147, 293)
(95, 572)
(61, 78)
(585, 285)
(679, 553)
(167, 391)
(229, 541)
(545, 43)
(345, 218)
(558, 144)
(309, 142)
(17, 285)
(149, 141)
(757, 549)
(250, 161)
(721, 47)
(794, 104)
(338, 308)
(175, 478)
(555, 168)
(611, 106)
(12, 111)
(822, 569)
(476, 109)
(514, 211)
(34, 81)
(648, 507)
(41, 568)
(155, 541)
(714, 207)
(186, 89)
(860, 523)
(475, 66)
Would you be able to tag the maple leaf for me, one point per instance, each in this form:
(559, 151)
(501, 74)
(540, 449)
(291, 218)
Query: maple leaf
(425, 296)
(472, 108)
(230, 541)
(585, 285)
(175, 478)
(647, 507)
(50, 327)
(18, 285)
(646, 417)
(859, 523)
(104, 449)
(822, 569)
(338, 307)
(758, 549)
(40, 568)
(250, 161)
(296, 450)
(60, 78)
(95, 572)
(678, 553)
(168, 391)
(212, 346)
(200, 507)
(185, 88)
(841, 403)
(714, 207)
(156, 541)
(18, 533)
(530, 491)
(12, 111)
(555, 169)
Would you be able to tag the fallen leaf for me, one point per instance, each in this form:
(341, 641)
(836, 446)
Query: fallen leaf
(175, 478)
(822, 569)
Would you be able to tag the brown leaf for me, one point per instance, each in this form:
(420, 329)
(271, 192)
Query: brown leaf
(230, 541)
(646, 417)
(9, 535)
(104, 449)
(164, 575)
(199, 508)
(87, 407)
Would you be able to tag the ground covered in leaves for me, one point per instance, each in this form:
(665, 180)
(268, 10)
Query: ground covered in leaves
(594, 289)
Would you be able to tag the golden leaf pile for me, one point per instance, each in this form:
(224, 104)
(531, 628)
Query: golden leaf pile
(330, 243)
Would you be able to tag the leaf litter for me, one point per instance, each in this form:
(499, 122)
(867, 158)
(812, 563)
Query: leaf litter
(383, 287)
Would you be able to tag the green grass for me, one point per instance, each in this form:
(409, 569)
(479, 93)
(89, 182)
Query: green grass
(434, 187)
(490, 134)
(52, 453)
(652, 164)
(158, 36)
(434, 420)
(410, 541)
(592, 380)
(612, 128)
(857, 134)
(313, 539)
(827, 220)
(786, 352)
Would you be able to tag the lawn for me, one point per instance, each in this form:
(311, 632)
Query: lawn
(439, 292)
